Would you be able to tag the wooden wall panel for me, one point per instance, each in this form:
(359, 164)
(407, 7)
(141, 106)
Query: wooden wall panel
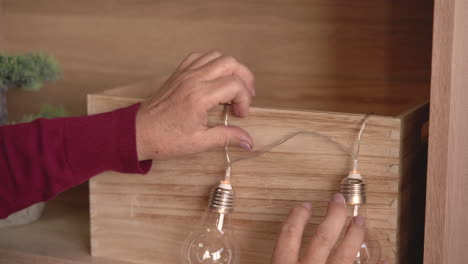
(447, 179)
(2, 25)
(341, 49)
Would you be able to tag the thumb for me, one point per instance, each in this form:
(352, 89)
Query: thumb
(221, 136)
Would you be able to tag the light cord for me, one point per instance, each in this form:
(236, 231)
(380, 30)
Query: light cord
(357, 143)
(354, 154)
(227, 176)
(288, 137)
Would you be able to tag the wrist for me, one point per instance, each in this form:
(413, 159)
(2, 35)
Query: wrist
(104, 142)
(141, 146)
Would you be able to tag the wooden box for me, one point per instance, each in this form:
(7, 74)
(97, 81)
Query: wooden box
(144, 219)
(319, 66)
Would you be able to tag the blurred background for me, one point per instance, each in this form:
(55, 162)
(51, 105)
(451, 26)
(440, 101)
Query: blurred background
(337, 47)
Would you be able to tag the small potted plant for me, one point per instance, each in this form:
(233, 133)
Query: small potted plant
(26, 72)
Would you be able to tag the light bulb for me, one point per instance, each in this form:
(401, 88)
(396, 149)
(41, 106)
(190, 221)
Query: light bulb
(212, 241)
(353, 189)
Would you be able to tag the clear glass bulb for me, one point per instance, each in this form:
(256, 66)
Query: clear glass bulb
(364, 254)
(212, 242)
(354, 191)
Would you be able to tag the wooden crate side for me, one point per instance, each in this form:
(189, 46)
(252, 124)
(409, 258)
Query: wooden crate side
(96, 104)
(100, 103)
(412, 188)
(145, 219)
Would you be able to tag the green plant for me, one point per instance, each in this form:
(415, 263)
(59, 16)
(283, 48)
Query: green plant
(26, 71)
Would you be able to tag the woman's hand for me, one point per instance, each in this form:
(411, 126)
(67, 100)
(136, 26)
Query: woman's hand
(174, 121)
(321, 248)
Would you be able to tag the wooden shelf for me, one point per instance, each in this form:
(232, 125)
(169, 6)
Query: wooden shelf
(60, 236)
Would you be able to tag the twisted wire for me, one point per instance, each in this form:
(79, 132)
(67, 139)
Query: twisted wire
(354, 154)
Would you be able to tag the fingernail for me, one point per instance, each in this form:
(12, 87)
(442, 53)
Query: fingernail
(384, 262)
(338, 198)
(307, 205)
(253, 91)
(245, 145)
(359, 220)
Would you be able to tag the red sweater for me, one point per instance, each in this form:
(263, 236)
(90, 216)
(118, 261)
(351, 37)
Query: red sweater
(41, 159)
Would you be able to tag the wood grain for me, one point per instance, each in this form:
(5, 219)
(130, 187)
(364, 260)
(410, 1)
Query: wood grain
(447, 178)
(60, 236)
(311, 54)
(63, 226)
(12, 256)
(145, 218)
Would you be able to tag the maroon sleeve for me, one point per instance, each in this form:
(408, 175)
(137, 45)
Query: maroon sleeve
(38, 160)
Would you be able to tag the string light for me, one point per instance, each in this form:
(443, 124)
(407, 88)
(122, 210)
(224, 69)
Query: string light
(212, 241)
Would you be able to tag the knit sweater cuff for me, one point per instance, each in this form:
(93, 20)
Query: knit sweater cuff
(104, 142)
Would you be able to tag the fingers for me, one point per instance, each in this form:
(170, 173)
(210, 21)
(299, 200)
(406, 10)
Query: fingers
(204, 59)
(328, 232)
(231, 82)
(195, 60)
(288, 244)
(287, 250)
(213, 65)
(229, 89)
(225, 66)
(347, 250)
(221, 136)
(188, 61)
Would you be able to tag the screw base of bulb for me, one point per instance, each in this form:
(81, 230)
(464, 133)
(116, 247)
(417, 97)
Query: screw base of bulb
(353, 189)
(222, 198)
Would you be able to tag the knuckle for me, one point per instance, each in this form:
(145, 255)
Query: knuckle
(228, 60)
(193, 97)
(195, 54)
(324, 239)
(216, 53)
(299, 210)
(236, 81)
(191, 56)
(199, 100)
(188, 77)
(247, 74)
(290, 229)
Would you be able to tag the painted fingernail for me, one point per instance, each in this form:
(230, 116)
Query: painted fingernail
(338, 198)
(307, 205)
(359, 220)
(245, 145)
